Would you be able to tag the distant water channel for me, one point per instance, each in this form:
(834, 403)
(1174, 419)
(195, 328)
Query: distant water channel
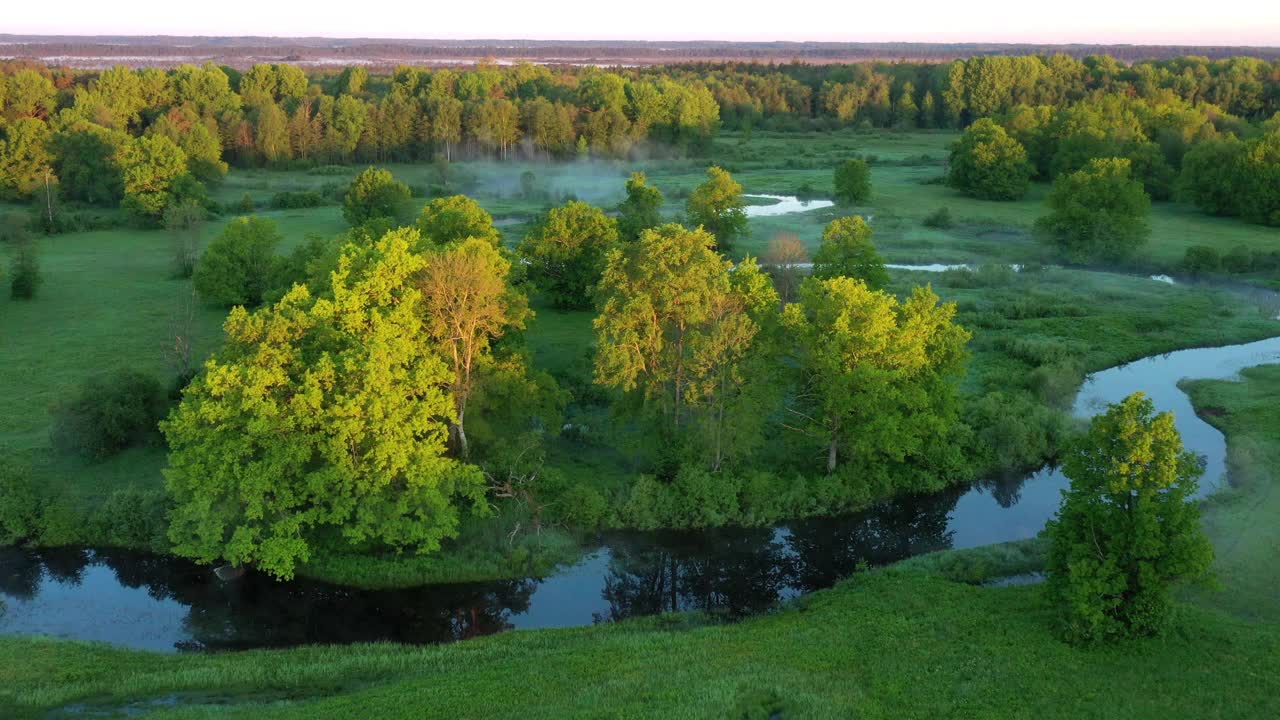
(167, 604)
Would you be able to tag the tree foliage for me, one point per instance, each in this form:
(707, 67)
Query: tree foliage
(641, 210)
(237, 267)
(466, 306)
(1127, 528)
(374, 195)
(988, 164)
(847, 251)
(879, 382)
(1099, 212)
(320, 416)
(457, 217)
(716, 206)
(566, 252)
(853, 182)
(677, 329)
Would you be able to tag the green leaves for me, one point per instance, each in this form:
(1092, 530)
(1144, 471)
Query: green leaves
(374, 195)
(1099, 212)
(566, 252)
(320, 413)
(988, 164)
(1126, 530)
(716, 206)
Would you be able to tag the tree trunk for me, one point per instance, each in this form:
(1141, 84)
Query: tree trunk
(460, 436)
(833, 449)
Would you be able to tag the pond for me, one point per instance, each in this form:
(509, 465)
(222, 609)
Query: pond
(166, 604)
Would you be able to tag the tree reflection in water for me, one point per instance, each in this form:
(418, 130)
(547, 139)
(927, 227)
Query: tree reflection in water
(737, 572)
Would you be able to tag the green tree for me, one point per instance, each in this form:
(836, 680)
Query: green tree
(716, 206)
(566, 252)
(87, 162)
(1259, 177)
(197, 139)
(853, 182)
(457, 217)
(988, 164)
(1099, 212)
(1127, 528)
(24, 157)
(320, 415)
(152, 170)
(847, 251)
(641, 210)
(237, 266)
(676, 329)
(374, 195)
(467, 305)
(879, 382)
(1210, 177)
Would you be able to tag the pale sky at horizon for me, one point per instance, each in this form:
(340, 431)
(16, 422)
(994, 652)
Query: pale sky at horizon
(1177, 22)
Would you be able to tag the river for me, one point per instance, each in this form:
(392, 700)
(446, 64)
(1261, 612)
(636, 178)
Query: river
(167, 604)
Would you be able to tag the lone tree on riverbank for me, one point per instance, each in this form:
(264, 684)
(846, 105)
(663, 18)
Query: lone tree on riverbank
(1127, 529)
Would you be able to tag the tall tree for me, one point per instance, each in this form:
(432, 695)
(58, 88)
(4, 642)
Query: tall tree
(853, 182)
(716, 206)
(467, 304)
(988, 164)
(1099, 212)
(879, 380)
(375, 195)
(320, 415)
(1127, 528)
(641, 210)
(457, 217)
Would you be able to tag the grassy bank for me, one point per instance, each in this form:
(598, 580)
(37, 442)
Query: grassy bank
(1244, 520)
(895, 643)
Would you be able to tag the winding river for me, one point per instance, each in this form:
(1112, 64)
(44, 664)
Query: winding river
(166, 604)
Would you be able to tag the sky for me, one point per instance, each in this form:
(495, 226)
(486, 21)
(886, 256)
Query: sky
(1182, 22)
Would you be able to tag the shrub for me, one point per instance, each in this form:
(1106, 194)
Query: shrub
(109, 413)
(940, 219)
(25, 272)
(19, 504)
(581, 506)
(1238, 260)
(294, 199)
(135, 519)
(1201, 259)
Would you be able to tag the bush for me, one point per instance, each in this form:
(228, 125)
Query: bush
(109, 413)
(988, 164)
(237, 266)
(1099, 212)
(1238, 260)
(295, 199)
(25, 271)
(940, 219)
(135, 519)
(581, 506)
(1201, 259)
(19, 505)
